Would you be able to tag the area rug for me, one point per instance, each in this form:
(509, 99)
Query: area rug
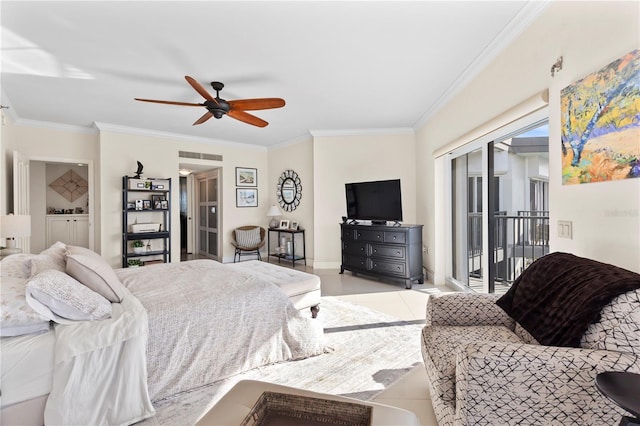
(366, 352)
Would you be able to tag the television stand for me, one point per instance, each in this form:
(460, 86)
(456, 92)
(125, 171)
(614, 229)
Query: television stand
(388, 253)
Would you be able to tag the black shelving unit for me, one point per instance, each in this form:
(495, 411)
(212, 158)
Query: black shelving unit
(143, 191)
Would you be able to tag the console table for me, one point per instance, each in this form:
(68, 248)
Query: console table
(293, 256)
(392, 252)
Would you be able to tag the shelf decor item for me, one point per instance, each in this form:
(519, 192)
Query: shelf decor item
(138, 246)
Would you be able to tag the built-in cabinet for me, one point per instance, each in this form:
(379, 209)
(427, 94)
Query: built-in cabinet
(385, 251)
(72, 229)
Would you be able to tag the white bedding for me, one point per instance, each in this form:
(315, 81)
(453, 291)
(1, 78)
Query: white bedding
(100, 375)
(26, 364)
(208, 321)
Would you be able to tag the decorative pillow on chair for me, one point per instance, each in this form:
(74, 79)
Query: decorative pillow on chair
(92, 270)
(16, 316)
(248, 238)
(59, 297)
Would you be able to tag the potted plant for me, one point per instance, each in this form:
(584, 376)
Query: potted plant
(138, 246)
(134, 263)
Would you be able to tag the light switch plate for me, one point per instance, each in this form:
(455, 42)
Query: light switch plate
(565, 229)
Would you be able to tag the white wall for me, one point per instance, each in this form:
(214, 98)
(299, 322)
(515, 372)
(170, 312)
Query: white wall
(118, 155)
(298, 157)
(588, 35)
(342, 159)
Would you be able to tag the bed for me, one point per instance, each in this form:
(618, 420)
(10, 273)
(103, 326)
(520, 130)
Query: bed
(178, 326)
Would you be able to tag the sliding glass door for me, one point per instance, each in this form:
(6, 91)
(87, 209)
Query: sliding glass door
(499, 208)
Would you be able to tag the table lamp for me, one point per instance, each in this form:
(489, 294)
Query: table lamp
(274, 212)
(12, 226)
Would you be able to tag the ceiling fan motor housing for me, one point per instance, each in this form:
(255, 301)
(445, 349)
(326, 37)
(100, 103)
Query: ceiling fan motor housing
(217, 109)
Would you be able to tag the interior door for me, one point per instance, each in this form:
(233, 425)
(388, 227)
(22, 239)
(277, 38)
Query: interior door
(208, 215)
(21, 194)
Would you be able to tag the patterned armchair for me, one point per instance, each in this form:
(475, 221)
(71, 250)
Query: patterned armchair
(485, 369)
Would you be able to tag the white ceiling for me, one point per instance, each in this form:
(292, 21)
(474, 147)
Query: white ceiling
(340, 66)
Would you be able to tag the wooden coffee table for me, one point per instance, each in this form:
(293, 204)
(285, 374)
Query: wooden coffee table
(238, 402)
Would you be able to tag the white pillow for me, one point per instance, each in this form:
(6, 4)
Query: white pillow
(40, 263)
(17, 265)
(59, 297)
(93, 271)
(58, 253)
(16, 316)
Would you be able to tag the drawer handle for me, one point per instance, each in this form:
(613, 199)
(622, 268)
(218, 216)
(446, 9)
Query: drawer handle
(378, 236)
(398, 268)
(394, 237)
(375, 251)
(361, 248)
(359, 234)
(398, 252)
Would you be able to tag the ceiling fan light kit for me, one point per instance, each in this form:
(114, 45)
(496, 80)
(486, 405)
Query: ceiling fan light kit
(217, 107)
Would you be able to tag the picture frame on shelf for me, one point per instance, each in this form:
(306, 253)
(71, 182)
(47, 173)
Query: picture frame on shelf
(157, 201)
(131, 206)
(164, 204)
(294, 226)
(284, 224)
(146, 204)
(246, 197)
(246, 177)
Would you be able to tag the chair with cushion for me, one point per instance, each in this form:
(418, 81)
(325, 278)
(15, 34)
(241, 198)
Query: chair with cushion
(248, 240)
(531, 356)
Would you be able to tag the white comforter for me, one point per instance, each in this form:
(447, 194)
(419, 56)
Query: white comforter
(100, 375)
(208, 321)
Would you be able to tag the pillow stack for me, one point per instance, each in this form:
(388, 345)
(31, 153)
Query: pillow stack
(62, 284)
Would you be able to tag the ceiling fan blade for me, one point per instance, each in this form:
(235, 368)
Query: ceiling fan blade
(207, 115)
(168, 102)
(247, 118)
(198, 88)
(255, 104)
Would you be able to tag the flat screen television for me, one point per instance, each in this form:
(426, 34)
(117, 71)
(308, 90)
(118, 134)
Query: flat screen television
(377, 201)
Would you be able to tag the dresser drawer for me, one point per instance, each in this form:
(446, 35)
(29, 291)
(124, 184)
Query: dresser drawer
(396, 252)
(395, 237)
(354, 247)
(389, 268)
(370, 235)
(348, 234)
(353, 261)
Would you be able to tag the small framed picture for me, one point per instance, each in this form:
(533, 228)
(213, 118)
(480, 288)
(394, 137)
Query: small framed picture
(164, 204)
(156, 200)
(131, 206)
(284, 224)
(146, 204)
(293, 226)
(246, 197)
(246, 177)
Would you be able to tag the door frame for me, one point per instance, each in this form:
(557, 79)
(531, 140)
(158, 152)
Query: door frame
(217, 173)
(20, 197)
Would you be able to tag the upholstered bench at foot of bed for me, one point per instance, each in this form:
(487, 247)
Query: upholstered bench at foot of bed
(302, 288)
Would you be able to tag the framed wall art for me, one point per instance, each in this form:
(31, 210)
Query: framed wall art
(600, 123)
(246, 197)
(246, 177)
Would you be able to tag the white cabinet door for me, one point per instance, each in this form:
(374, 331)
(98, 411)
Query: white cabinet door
(58, 229)
(68, 229)
(80, 231)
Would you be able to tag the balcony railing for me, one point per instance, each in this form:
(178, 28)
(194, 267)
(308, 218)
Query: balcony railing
(519, 240)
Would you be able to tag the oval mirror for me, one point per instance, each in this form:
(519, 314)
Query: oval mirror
(289, 190)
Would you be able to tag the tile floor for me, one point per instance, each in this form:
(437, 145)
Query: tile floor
(411, 392)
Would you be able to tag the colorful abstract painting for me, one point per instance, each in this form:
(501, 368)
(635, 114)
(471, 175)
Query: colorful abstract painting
(601, 124)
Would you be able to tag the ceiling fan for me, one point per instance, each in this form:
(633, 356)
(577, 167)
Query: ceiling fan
(217, 107)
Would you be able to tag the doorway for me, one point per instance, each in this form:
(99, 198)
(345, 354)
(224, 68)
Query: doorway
(200, 218)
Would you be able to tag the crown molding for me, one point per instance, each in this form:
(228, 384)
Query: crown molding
(523, 19)
(56, 126)
(115, 128)
(362, 132)
(293, 141)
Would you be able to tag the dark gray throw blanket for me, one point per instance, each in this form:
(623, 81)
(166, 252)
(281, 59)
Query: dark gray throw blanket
(559, 295)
